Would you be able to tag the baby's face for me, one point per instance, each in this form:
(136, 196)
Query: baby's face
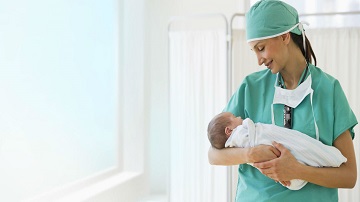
(235, 121)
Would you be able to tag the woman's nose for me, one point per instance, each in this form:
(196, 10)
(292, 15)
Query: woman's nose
(260, 61)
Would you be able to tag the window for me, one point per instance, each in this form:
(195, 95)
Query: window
(59, 93)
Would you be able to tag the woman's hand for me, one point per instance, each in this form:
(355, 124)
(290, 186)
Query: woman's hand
(281, 169)
(262, 153)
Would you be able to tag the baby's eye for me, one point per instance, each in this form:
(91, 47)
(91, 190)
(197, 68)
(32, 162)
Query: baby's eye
(261, 48)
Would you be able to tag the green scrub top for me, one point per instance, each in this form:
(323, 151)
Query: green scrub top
(333, 116)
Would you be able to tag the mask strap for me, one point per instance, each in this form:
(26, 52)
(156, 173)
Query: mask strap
(312, 108)
(301, 27)
(272, 114)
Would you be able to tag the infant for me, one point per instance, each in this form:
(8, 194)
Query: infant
(226, 130)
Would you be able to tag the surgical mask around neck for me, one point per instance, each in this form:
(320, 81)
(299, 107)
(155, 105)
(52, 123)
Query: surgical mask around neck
(292, 98)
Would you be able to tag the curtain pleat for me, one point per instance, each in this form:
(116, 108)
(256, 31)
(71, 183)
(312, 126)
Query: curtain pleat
(197, 93)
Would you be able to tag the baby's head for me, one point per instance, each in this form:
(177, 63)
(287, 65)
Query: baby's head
(221, 127)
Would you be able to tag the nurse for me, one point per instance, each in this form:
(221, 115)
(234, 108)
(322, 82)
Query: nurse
(292, 92)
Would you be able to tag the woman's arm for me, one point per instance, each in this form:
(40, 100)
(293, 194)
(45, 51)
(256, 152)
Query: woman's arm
(343, 177)
(236, 156)
(286, 167)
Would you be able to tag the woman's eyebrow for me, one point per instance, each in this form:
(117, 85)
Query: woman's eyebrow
(255, 45)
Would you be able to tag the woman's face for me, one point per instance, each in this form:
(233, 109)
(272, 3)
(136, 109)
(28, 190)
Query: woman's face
(271, 52)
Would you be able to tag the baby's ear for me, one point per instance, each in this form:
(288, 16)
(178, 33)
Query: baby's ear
(228, 131)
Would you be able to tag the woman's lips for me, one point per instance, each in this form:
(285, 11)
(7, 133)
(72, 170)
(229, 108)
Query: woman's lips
(268, 64)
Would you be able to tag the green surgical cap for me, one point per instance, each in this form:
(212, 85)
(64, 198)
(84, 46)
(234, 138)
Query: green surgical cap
(271, 18)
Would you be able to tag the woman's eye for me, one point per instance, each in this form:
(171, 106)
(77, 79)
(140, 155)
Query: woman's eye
(261, 48)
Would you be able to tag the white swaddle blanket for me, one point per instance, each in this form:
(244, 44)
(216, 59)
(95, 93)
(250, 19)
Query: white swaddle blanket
(305, 149)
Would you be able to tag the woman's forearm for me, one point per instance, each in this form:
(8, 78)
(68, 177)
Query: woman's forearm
(342, 177)
(236, 156)
(227, 156)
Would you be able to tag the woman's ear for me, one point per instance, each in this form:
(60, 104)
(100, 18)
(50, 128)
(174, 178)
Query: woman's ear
(228, 131)
(286, 37)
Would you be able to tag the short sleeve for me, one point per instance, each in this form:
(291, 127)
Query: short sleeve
(236, 103)
(345, 118)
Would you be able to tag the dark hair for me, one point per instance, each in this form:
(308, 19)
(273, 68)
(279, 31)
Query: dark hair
(216, 130)
(298, 39)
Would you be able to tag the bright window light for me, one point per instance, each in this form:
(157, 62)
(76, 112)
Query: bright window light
(58, 106)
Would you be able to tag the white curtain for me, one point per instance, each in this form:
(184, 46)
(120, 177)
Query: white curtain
(197, 93)
(338, 53)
